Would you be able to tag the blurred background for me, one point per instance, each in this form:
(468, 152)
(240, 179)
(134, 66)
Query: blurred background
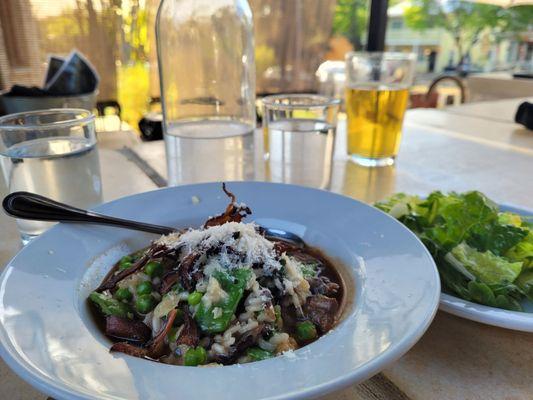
(293, 38)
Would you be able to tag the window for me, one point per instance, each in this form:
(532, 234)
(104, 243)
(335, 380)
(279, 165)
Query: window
(14, 33)
(396, 24)
(118, 38)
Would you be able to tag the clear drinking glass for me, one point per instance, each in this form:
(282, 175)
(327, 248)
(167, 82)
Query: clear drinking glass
(299, 137)
(52, 153)
(377, 93)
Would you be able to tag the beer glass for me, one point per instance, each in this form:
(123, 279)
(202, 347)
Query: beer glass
(377, 94)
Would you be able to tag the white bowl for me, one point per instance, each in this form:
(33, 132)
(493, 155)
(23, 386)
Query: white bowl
(48, 337)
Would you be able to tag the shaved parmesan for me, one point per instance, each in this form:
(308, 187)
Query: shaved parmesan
(242, 238)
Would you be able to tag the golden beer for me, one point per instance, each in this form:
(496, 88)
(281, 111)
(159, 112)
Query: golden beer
(375, 115)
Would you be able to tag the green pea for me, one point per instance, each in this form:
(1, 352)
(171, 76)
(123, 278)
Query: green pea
(126, 259)
(144, 304)
(125, 265)
(258, 354)
(305, 331)
(153, 269)
(195, 356)
(194, 298)
(123, 294)
(144, 288)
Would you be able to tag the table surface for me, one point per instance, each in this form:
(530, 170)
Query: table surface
(474, 146)
(495, 86)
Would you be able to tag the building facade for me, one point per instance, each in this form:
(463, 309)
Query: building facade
(435, 47)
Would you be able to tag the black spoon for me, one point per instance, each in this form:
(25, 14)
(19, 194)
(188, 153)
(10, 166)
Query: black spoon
(32, 206)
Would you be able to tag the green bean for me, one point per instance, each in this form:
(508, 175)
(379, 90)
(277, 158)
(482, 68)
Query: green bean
(233, 284)
(173, 335)
(110, 306)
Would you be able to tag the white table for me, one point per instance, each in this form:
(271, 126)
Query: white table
(499, 110)
(455, 149)
(497, 85)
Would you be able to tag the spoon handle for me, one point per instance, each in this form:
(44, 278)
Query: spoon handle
(32, 206)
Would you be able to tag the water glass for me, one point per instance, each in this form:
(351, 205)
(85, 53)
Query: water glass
(377, 94)
(299, 137)
(52, 153)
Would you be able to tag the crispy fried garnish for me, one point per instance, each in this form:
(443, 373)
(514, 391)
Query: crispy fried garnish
(234, 212)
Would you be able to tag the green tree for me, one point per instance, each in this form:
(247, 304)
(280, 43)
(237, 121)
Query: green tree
(350, 20)
(467, 22)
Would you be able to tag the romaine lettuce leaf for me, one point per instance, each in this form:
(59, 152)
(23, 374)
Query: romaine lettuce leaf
(455, 216)
(525, 282)
(485, 266)
(482, 255)
(522, 251)
(401, 204)
(509, 218)
(503, 296)
(496, 238)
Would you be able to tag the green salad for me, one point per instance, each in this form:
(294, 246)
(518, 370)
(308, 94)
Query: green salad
(483, 255)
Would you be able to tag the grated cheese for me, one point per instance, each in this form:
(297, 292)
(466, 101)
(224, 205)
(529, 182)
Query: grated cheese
(169, 240)
(214, 293)
(295, 283)
(240, 245)
(254, 246)
(217, 312)
(131, 282)
(195, 200)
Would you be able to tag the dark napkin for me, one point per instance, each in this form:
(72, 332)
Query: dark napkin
(75, 76)
(64, 77)
(54, 64)
(25, 91)
(524, 115)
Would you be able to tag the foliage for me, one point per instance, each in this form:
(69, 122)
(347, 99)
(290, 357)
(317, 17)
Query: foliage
(467, 22)
(135, 27)
(133, 91)
(350, 20)
(519, 19)
(265, 56)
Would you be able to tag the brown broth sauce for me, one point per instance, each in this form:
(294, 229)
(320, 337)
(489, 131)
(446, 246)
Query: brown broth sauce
(329, 272)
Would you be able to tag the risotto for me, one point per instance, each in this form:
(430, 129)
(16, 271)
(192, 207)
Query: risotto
(221, 294)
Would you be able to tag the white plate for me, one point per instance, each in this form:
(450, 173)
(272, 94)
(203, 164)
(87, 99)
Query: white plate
(48, 337)
(520, 321)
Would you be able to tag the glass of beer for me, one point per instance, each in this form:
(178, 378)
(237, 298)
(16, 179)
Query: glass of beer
(377, 93)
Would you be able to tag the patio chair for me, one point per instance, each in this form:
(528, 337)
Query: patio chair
(431, 98)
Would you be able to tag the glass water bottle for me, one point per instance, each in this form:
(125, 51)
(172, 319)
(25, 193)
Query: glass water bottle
(206, 68)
